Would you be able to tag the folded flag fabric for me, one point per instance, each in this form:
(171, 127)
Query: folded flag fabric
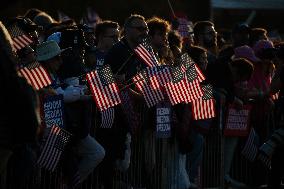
(146, 53)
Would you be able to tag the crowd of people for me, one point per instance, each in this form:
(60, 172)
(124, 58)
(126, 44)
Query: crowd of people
(245, 70)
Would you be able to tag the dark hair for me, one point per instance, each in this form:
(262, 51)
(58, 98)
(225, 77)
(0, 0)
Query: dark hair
(195, 52)
(199, 27)
(256, 33)
(103, 26)
(174, 39)
(157, 24)
(130, 19)
(244, 67)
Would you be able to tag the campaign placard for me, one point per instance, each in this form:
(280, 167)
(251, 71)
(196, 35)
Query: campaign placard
(163, 121)
(53, 111)
(237, 122)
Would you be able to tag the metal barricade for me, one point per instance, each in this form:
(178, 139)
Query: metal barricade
(154, 162)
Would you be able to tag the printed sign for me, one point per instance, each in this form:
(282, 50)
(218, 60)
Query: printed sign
(163, 127)
(237, 123)
(53, 107)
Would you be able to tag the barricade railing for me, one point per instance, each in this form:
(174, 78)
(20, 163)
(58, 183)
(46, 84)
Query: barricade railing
(155, 163)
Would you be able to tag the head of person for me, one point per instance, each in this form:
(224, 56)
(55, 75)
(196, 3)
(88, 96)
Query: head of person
(158, 32)
(242, 69)
(32, 13)
(49, 55)
(265, 50)
(199, 56)
(135, 29)
(175, 43)
(45, 21)
(205, 34)
(107, 34)
(240, 34)
(247, 53)
(257, 34)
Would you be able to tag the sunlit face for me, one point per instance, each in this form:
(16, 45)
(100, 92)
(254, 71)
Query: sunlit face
(160, 39)
(209, 37)
(137, 31)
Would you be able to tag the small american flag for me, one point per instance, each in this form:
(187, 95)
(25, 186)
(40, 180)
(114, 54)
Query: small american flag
(104, 89)
(53, 148)
(146, 53)
(177, 89)
(194, 87)
(204, 107)
(37, 76)
(151, 96)
(107, 118)
(19, 37)
(187, 63)
(250, 149)
(159, 76)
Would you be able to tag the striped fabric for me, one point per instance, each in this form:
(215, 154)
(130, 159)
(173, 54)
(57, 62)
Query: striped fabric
(38, 77)
(151, 96)
(194, 88)
(53, 148)
(177, 90)
(19, 37)
(103, 87)
(159, 76)
(107, 117)
(204, 107)
(250, 149)
(187, 63)
(146, 53)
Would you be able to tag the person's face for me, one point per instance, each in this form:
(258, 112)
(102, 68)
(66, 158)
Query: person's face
(209, 37)
(203, 62)
(160, 40)
(110, 37)
(137, 31)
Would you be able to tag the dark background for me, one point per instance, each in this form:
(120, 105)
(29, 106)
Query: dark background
(118, 10)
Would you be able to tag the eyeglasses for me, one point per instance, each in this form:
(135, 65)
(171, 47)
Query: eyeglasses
(140, 28)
